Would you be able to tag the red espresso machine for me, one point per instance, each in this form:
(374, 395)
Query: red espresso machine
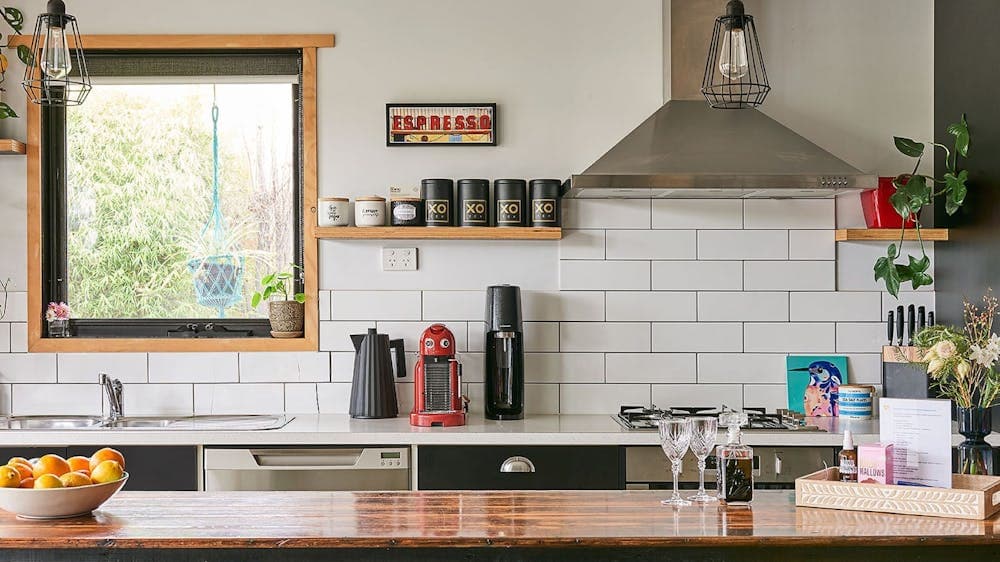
(437, 389)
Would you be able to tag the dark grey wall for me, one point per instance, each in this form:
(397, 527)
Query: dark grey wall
(967, 79)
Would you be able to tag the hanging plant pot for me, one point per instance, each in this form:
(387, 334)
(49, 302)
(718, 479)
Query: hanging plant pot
(879, 212)
(218, 281)
(287, 318)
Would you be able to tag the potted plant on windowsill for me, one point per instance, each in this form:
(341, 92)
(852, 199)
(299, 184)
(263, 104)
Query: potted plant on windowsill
(287, 315)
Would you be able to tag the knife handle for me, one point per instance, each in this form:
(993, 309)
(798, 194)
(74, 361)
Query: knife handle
(900, 319)
(930, 319)
(921, 318)
(911, 323)
(891, 325)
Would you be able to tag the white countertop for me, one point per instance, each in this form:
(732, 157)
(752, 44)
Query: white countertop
(331, 429)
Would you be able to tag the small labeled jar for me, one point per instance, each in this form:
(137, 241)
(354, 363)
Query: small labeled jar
(333, 211)
(406, 211)
(369, 211)
(545, 205)
(438, 195)
(473, 202)
(511, 198)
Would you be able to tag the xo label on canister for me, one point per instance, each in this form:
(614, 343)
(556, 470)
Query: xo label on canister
(438, 212)
(474, 211)
(509, 212)
(543, 211)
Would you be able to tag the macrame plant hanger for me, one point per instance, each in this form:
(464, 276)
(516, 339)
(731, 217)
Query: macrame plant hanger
(218, 276)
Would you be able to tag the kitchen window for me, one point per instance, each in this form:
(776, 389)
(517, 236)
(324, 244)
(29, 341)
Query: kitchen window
(170, 192)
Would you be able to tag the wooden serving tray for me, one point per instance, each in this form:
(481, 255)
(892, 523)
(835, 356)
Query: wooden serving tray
(971, 496)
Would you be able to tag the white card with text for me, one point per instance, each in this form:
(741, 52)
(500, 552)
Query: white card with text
(920, 433)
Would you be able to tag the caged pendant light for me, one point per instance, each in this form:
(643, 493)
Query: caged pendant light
(58, 75)
(735, 77)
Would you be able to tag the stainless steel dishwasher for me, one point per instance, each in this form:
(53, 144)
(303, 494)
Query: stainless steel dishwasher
(309, 469)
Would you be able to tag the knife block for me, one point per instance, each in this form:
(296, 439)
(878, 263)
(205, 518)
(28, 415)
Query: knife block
(902, 379)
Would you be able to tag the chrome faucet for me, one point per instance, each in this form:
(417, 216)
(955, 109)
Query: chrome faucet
(116, 399)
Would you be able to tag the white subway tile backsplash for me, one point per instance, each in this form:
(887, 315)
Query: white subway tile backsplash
(17, 307)
(341, 367)
(742, 307)
(324, 305)
(650, 368)
(541, 336)
(86, 367)
(143, 399)
(241, 398)
(582, 245)
(334, 398)
(864, 368)
(301, 398)
(836, 306)
(454, 305)
(697, 336)
(600, 398)
(604, 336)
(193, 367)
(789, 276)
(742, 244)
(56, 399)
(565, 306)
(811, 245)
(606, 213)
(642, 306)
(770, 396)
(410, 333)
(375, 305)
(697, 275)
(916, 298)
(695, 395)
(563, 367)
(285, 367)
(19, 337)
(5, 338)
(604, 275)
(27, 367)
(858, 337)
(794, 337)
(789, 214)
(473, 370)
(741, 368)
(699, 214)
(855, 261)
(651, 245)
(336, 336)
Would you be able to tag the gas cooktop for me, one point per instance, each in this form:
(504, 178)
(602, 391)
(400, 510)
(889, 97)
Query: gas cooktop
(643, 418)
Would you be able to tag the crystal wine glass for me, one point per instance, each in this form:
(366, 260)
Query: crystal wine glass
(704, 431)
(675, 436)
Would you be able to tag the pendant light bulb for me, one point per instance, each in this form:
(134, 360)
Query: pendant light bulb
(56, 61)
(733, 61)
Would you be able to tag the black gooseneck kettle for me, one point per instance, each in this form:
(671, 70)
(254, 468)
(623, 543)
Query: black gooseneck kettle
(376, 361)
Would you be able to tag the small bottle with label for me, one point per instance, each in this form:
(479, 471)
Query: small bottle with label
(734, 471)
(848, 459)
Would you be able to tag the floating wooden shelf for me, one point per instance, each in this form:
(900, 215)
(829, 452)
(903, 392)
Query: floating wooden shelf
(438, 233)
(890, 234)
(11, 146)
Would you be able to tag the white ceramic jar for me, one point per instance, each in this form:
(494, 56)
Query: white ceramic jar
(333, 211)
(369, 211)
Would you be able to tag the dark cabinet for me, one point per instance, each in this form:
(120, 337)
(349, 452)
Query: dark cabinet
(482, 467)
(153, 468)
(28, 452)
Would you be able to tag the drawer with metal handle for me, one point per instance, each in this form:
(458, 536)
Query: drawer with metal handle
(510, 467)
(312, 469)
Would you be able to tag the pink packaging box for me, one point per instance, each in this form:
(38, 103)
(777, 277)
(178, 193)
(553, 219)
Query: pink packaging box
(875, 463)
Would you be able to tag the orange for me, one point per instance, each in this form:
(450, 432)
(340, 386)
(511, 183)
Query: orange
(27, 483)
(48, 481)
(50, 464)
(9, 477)
(18, 459)
(106, 454)
(77, 464)
(74, 479)
(107, 471)
(25, 469)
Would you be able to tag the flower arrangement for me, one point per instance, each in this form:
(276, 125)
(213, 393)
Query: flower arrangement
(962, 363)
(57, 311)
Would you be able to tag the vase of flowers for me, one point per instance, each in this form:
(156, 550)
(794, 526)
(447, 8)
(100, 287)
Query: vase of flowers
(57, 315)
(962, 364)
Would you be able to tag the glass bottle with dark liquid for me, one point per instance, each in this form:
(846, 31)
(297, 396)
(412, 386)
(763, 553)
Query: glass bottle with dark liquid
(734, 473)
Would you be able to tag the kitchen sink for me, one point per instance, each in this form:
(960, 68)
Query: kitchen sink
(50, 422)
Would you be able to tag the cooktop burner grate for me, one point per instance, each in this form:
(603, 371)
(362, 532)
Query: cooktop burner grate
(643, 418)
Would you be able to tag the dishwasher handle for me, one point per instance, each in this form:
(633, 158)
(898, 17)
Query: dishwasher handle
(355, 458)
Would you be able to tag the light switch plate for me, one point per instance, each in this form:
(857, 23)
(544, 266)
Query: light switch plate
(399, 259)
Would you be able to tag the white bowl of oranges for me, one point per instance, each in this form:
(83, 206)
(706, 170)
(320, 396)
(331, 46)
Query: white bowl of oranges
(51, 487)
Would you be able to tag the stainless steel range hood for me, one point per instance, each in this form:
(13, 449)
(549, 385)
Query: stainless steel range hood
(689, 150)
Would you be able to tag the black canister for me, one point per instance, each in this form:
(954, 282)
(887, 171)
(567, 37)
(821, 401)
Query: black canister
(545, 204)
(406, 211)
(438, 195)
(511, 198)
(473, 202)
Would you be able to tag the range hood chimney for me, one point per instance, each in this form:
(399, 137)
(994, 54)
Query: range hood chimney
(687, 150)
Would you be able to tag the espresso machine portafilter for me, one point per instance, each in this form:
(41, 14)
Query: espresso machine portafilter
(504, 354)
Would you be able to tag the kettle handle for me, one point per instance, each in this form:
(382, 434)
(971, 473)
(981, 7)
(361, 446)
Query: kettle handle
(398, 357)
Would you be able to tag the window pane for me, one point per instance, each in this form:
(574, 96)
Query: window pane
(143, 241)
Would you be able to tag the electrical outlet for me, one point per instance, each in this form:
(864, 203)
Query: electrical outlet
(399, 259)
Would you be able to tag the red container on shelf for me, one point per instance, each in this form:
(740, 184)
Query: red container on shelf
(878, 211)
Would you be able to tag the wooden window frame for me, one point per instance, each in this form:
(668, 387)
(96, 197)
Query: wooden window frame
(309, 44)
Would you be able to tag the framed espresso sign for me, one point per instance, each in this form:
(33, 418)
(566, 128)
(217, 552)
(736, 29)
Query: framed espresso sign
(440, 124)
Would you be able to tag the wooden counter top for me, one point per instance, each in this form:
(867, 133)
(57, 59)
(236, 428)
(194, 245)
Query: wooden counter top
(180, 520)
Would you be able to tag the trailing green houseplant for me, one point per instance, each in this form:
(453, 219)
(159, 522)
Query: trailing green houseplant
(914, 192)
(15, 20)
(287, 315)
